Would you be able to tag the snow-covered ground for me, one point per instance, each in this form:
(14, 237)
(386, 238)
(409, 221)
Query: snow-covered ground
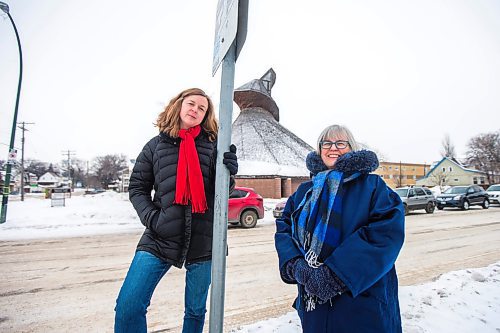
(82, 215)
(460, 301)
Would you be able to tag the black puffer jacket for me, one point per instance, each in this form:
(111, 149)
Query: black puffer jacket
(172, 232)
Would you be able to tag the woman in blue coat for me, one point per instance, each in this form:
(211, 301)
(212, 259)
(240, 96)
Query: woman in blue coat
(338, 239)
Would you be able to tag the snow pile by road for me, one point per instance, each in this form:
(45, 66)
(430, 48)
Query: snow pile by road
(461, 301)
(83, 215)
(103, 213)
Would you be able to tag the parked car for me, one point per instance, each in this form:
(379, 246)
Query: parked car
(417, 197)
(95, 191)
(463, 197)
(494, 194)
(278, 209)
(245, 207)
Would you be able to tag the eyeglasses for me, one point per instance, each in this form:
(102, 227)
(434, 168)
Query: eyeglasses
(340, 144)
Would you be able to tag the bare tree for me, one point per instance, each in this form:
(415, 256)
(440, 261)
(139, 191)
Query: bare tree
(107, 168)
(79, 171)
(397, 180)
(448, 149)
(54, 169)
(439, 179)
(36, 167)
(484, 154)
(380, 155)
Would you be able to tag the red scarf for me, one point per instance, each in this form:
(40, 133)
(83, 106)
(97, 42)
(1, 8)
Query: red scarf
(189, 183)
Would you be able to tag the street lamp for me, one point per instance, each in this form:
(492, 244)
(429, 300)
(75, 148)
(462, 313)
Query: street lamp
(12, 152)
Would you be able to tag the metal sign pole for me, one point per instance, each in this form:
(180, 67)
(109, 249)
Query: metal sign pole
(230, 35)
(12, 151)
(219, 244)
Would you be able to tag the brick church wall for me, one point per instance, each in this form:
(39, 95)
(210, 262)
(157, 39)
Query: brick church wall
(274, 188)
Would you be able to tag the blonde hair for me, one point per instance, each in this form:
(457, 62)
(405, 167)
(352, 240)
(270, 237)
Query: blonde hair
(169, 120)
(334, 131)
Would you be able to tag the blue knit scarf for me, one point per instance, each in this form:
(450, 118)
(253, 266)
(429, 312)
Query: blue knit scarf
(316, 221)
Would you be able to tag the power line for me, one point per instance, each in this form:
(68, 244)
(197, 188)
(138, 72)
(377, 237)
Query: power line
(6, 144)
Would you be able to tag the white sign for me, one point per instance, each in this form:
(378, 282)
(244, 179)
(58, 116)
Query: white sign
(226, 27)
(12, 156)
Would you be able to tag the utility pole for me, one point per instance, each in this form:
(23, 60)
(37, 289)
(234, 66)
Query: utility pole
(68, 153)
(400, 177)
(23, 128)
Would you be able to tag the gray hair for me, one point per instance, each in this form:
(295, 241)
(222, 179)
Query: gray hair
(334, 131)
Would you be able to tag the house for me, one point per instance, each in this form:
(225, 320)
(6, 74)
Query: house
(271, 159)
(450, 172)
(124, 176)
(2, 181)
(398, 174)
(49, 179)
(30, 182)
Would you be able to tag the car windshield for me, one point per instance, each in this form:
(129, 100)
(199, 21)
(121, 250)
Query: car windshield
(402, 192)
(456, 190)
(494, 188)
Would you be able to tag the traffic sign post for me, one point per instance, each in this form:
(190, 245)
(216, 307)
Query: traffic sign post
(230, 23)
(230, 26)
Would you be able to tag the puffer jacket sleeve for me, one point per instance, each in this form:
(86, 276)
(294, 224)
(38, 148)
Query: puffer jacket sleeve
(371, 251)
(141, 185)
(285, 245)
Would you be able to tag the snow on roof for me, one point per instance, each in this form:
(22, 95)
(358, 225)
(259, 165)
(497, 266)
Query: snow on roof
(454, 161)
(267, 148)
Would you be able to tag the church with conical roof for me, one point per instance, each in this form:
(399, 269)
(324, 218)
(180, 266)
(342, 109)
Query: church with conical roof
(271, 158)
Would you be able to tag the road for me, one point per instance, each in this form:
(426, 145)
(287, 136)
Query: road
(70, 284)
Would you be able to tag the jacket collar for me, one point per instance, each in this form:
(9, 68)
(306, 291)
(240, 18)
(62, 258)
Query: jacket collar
(362, 161)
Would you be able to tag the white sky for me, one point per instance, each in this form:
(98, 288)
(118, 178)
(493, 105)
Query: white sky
(461, 301)
(399, 74)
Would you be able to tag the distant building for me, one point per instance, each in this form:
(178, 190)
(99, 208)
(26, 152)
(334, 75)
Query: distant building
(398, 174)
(449, 172)
(12, 184)
(49, 179)
(124, 176)
(30, 182)
(271, 159)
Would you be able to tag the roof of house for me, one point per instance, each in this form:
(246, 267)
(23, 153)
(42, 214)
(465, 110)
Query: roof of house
(454, 161)
(265, 147)
(53, 174)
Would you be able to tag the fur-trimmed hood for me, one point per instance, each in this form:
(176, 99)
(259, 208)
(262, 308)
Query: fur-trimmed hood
(362, 161)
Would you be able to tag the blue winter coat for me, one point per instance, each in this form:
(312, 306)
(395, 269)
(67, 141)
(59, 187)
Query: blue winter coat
(372, 235)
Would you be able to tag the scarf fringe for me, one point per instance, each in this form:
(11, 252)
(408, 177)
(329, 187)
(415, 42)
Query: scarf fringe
(200, 208)
(310, 303)
(312, 259)
(183, 200)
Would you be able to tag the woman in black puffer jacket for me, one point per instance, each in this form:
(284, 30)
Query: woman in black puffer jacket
(179, 165)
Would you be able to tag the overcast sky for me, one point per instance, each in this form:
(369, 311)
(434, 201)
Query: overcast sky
(400, 74)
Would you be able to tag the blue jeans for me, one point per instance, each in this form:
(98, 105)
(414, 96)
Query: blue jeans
(145, 271)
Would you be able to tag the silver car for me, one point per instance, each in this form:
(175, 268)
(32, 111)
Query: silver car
(417, 197)
(494, 193)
